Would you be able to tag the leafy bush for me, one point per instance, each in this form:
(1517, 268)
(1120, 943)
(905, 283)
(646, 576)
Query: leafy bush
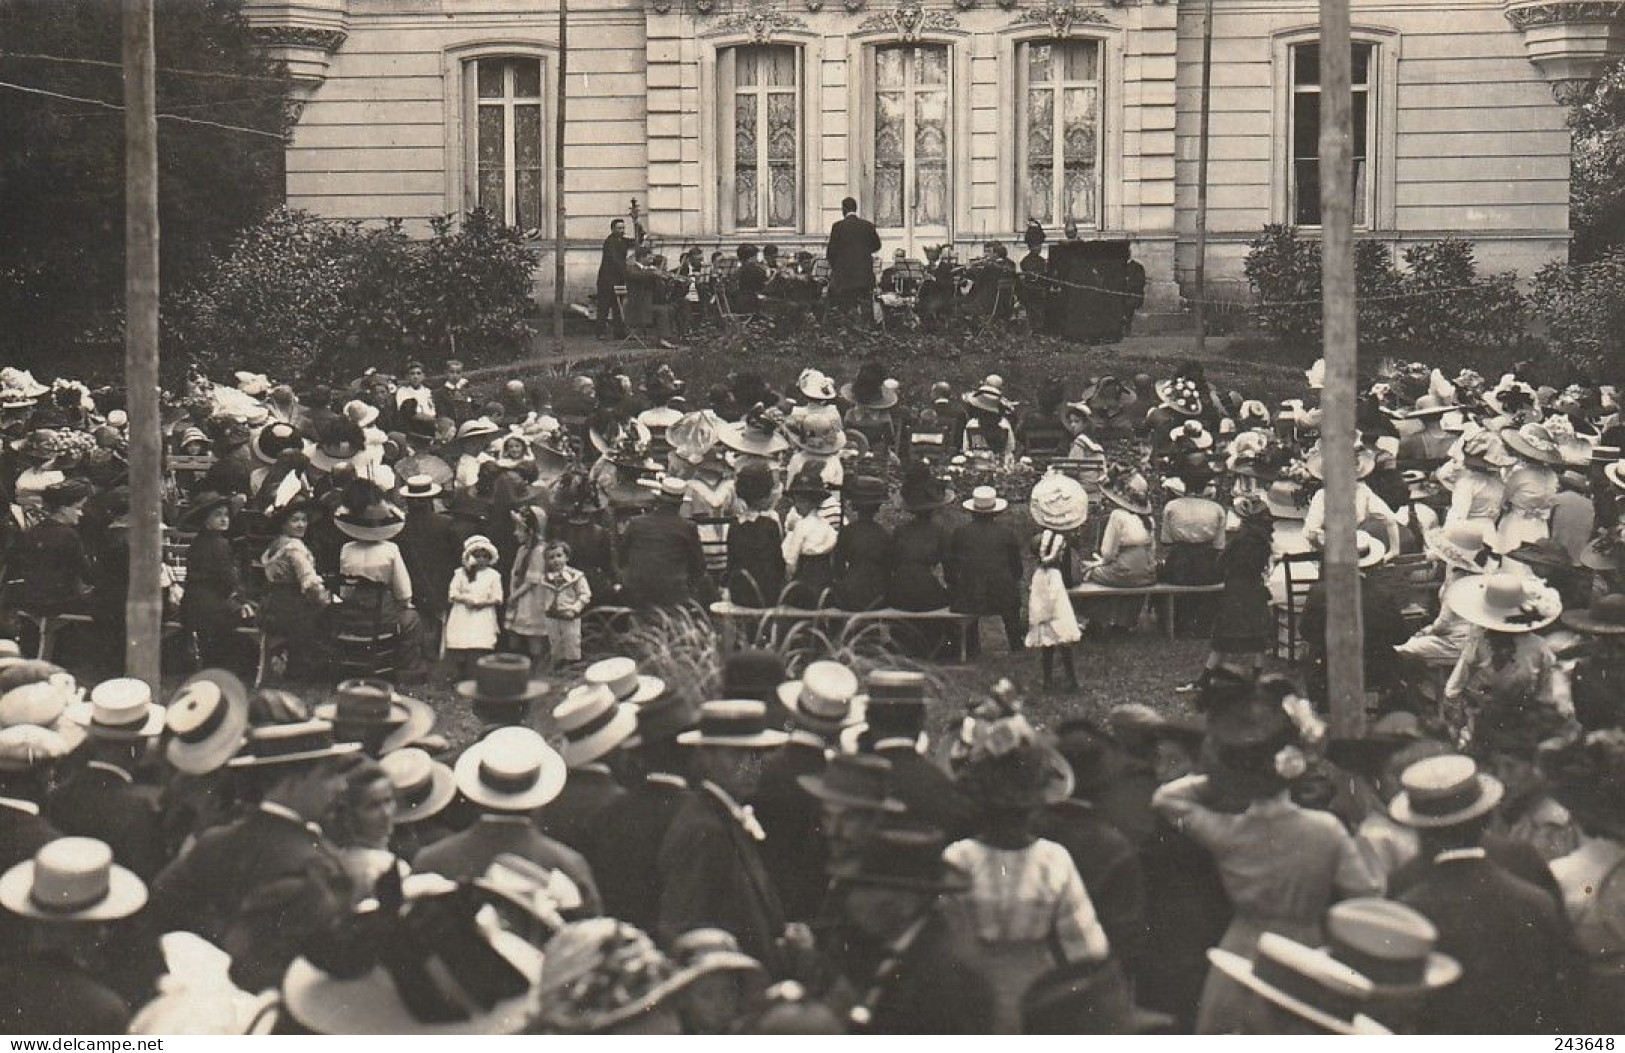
(1437, 303)
(1584, 308)
(300, 296)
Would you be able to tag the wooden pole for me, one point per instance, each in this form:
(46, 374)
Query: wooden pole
(1201, 180)
(143, 601)
(1344, 632)
(559, 304)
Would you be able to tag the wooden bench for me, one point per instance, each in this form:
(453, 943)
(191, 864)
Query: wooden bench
(1165, 598)
(729, 615)
(49, 627)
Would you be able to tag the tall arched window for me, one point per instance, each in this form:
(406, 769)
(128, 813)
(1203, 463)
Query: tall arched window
(912, 131)
(505, 141)
(1304, 173)
(1060, 131)
(761, 136)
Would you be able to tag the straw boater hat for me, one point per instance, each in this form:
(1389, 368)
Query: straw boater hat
(375, 714)
(988, 396)
(1059, 502)
(984, 501)
(1391, 945)
(72, 879)
(119, 709)
(422, 785)
(270, 745)
(625, 684)
(1308, 983)
(502, 679)
(478, 428)
(420, 487)
(737, 723)
(377, 521)
(1605, 616)
(1505, 602)
(511, 770)
(593, 723)
(822, 699)
(1467, 544)
(207, 720)
(1444, 791)
(855, 780)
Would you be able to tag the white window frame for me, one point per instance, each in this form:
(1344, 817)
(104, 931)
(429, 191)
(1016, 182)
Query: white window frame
(1382, 116)
(1058, 88)
(728, 95)
(955, 127)
(461, 93)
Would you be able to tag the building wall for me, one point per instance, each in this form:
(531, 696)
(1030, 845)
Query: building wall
(1469, 139)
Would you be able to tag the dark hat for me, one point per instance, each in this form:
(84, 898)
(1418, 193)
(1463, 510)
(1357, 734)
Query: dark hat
(921, 491)
(752, 673)
(67, 492)
(808, 482)
(275, 439)
(854, 781)
(1544, 555)
(1586, 774)
(502, 679)
(377, 520)
(201, 505)
(754, 482)
(869, 388)
(663, 719)
(1605, 616)
(866, 490)
(904, 858)
(1088, 748)
(895, 702)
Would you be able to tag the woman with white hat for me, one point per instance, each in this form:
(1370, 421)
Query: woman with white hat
(1531, 485)
(377, 585)
(1507, 691)
(1127, 556)
(1059, 505)
(1464, 549)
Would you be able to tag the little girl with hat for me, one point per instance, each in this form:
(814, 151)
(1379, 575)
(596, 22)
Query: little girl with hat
(474, 596)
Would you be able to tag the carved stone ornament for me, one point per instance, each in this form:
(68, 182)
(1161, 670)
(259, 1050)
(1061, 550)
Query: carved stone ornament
(761, 22)
(852, 6)
(328, 40)
(705, 7)
(1557, 14)
(815, 6)
(966, 5)
(661, 7)
(1060, 16)
(908, 19)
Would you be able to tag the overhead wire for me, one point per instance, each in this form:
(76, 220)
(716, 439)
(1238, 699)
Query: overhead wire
(104, 104)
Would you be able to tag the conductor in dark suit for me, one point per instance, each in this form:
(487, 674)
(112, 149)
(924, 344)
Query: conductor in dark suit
(853, 243)
(1518, 965)
(711, 868)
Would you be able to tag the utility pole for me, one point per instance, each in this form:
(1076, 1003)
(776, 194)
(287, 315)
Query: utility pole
(558, 180)
(1344, 632)
(143, 603)
(1201, 179)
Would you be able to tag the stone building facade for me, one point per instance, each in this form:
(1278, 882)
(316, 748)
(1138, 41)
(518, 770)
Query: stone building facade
(948, 120)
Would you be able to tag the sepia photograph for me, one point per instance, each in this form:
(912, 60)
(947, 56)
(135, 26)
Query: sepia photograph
(811, 517)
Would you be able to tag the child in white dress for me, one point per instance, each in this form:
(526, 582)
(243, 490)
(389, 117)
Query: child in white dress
(475, 597)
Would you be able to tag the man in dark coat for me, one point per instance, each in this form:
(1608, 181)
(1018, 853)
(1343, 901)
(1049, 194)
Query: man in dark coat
(260, 887)
(896, 715)
(429, 547)
(507, 802)
(1517, 960)
(795, 852)
(853, 243)
(1106, 859)
(233, 467)
(984, 569)
(711, 868)
(25, 774)
(662, 562)
(625, 847)
(612, 272)
(594, 727)
(105, 800)
(51, 556)
(898, 959)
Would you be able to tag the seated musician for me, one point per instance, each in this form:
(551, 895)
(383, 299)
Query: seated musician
(647, 306)
(939, 293)
(992, 274)
(899, 277)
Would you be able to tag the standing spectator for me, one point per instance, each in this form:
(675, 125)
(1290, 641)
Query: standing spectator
(864, 554)
(853, 242)
(214, 604)
(474, 598)
(662, 562)
(429, 547)
(612, 272)
(985, 570)
(51, 556)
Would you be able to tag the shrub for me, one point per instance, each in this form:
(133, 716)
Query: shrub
(1584, 307)
(1438, 304)
(300, 296)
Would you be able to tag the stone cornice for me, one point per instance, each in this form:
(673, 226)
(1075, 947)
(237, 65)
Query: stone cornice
(1060, 16)
(328, 40)
(1565, 12)
(908, 19)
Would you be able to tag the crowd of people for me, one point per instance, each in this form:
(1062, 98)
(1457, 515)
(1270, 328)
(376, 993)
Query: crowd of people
(780, 849)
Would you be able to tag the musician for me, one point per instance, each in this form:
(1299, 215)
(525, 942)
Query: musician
(750, 280)
(648, 303)
(1033, 290)
(852, 244)
(612, 272)
(939, 295)
(992, 275)
(697, 292)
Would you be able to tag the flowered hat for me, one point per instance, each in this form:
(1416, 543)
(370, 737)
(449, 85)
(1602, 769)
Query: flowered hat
(1533, 442)
(815, 385)
(1484, 451)
(815, 430)
(988, 395)
(1126, 487)
(1003, 761)
(1511, 397)
(1059, 502)
(1191, 435)
(757, 434)
(1181, 395)
(695, 434)
(601, 972)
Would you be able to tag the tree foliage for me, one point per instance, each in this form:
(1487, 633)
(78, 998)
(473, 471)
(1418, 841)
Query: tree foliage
(61, 162)
(300, 296)
(1597, 174)
(1584, 309)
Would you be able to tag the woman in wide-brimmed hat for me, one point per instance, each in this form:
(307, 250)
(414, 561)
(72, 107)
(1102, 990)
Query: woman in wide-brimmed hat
(295, 596)
(1465, 549)
(1531, 485)
(1242, 622)
(378, 588)
(873, 412)
(1507, 691)
(215, 603)
(863, 558)
(988, 433)
(1029, 909)
(1127, 557)
(1296, 860)
(1060, 506)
